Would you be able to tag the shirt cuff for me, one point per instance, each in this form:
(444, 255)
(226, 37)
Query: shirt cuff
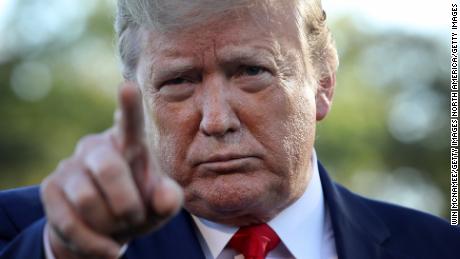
(46, 243)
(49, 252)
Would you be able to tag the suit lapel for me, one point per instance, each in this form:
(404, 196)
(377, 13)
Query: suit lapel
(358, 231)
(176, 239)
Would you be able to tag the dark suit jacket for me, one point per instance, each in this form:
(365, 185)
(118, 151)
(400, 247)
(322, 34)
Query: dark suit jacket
(363, 229)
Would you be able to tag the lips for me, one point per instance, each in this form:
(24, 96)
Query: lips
(223, 158)
(227, 163)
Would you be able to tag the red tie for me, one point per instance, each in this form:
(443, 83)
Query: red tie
(254, 242)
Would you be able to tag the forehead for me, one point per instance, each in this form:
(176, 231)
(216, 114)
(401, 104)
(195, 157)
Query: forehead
(268, 27)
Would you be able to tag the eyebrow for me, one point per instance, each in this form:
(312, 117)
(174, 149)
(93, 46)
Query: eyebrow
(171, 67)
(244, 54)
(174, 64)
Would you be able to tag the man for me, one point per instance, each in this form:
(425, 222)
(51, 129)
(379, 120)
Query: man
(217, 116)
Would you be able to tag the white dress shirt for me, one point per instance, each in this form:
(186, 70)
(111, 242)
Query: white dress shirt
(304, 229)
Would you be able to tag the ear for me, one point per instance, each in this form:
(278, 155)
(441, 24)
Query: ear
(324, 95)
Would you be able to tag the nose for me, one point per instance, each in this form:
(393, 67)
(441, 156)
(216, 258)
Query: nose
(218, 116)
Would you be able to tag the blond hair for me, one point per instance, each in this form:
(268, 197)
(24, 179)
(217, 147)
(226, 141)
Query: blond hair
(171, 14)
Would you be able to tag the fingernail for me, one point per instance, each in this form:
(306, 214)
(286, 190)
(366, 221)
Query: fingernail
(122, 250)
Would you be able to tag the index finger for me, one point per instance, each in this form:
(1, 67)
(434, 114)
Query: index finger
(131, 121)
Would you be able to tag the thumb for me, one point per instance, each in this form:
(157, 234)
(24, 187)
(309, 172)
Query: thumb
(167, 197)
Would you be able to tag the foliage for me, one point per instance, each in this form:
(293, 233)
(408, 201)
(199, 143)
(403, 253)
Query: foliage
(385, 136)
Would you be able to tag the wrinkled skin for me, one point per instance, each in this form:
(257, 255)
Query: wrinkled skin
(231, 111)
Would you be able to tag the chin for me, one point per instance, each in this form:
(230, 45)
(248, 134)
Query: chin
(241, 202)
(231, 218)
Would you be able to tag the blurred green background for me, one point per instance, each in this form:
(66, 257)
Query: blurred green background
(386, 136)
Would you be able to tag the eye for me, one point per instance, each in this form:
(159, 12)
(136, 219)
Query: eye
(177, 89)
(252, 70)
(253, 78)
(175, 81)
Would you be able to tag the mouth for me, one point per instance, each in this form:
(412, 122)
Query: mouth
(229, 163)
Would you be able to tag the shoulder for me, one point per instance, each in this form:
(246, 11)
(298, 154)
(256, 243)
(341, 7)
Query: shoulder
(19, 208)
(23, 193)
(408, 221)
(413, 230)
(387, 229)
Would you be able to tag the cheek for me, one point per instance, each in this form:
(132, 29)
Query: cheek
(173, 130)
(285, 126)
(300, 124)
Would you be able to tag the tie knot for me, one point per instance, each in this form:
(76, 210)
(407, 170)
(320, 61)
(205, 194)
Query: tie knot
(254, 242)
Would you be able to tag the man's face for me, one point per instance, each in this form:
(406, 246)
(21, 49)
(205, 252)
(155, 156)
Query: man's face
(231, 113)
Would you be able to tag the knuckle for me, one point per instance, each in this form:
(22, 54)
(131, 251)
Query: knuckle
(90, 138)
(87, 142)
(128, 211)
(48, 187)
(46, 184)
(67, 228)
(108, 171)
(85, 200)
(64, 164)
(135, 150)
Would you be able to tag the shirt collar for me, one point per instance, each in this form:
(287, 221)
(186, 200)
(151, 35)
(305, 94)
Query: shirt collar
(300, 226)
(215, 235)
